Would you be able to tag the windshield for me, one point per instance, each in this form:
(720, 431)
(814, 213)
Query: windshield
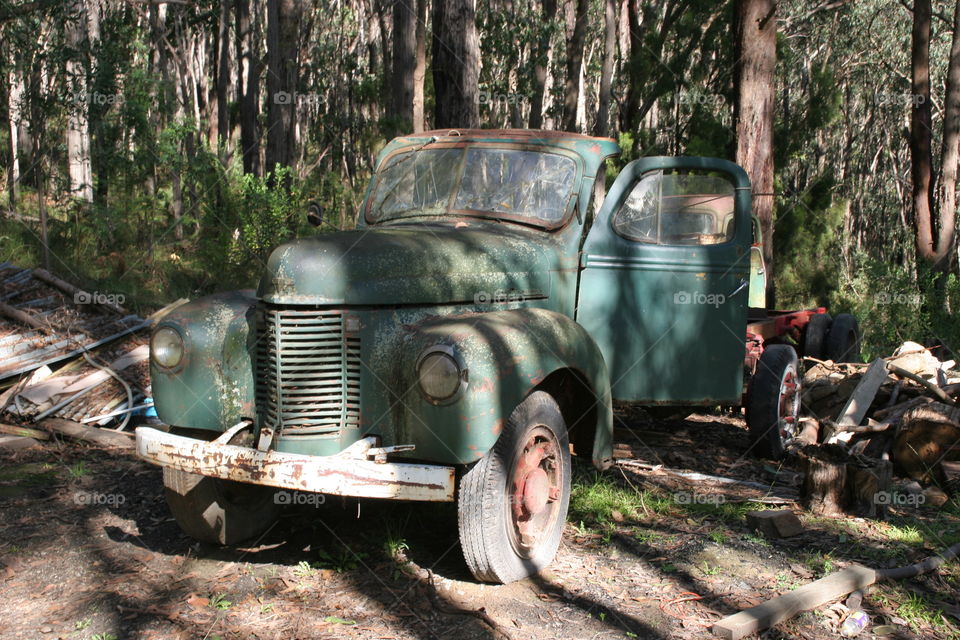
(499, 183)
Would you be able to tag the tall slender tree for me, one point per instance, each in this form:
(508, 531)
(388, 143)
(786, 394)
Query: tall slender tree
(934, 218)
(283, 39)
(756, 38)
(456, 60)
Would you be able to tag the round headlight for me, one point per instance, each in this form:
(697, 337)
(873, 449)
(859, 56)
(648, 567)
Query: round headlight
(166, 347)
(439, 375)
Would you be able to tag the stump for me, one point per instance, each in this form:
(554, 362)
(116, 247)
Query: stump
(823, 492)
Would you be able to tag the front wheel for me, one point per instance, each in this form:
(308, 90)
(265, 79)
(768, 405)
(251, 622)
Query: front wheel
(773, 406)
(218, 511)
(513, 503)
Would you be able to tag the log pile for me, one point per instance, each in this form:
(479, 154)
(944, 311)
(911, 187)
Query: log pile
(869, 422)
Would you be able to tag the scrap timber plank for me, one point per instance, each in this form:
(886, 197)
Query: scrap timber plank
(860, 400)
(810, 596)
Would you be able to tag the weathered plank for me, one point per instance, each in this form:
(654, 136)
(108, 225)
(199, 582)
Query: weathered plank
(810, 596)
(859, 401)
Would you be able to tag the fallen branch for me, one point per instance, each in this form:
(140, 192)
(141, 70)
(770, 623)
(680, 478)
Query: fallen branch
(23, 317)
(931, 387)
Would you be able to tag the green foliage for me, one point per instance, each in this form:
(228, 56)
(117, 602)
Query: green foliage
(894, 304)
(806, 245)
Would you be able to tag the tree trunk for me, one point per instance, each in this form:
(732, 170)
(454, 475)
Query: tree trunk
(756, 29)
(602, 126)
(283, 33)
(223, 75)
(248, 83)
(951, 150)
(921, 127)
(14, 96)
(456, 59)
(541, 67)
(78, 118)
(402, 79)
(571, 86)
(420, 70)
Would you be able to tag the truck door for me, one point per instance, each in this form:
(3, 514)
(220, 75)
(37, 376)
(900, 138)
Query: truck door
(664, 281)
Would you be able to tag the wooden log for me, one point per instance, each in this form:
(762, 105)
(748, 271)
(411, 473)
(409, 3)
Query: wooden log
(82, 432)
(22, 317)
(810, 596)
(809, 431)
(14, 430)
(74, 291)
(823, 491)
(895, 413)
(939, 393)
(15, 443)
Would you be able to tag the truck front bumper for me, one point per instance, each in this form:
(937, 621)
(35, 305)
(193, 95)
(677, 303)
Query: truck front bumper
(349, 473)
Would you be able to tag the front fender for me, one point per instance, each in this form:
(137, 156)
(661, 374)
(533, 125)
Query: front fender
(213, 386)
(508, 354)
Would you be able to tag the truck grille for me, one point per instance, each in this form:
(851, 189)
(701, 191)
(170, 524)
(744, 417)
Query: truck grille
(308, 371)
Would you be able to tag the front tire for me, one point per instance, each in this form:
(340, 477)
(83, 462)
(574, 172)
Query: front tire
(218, 511)
(773, 407)
(513, 503)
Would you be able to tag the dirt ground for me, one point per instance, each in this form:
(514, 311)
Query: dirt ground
(88, 551)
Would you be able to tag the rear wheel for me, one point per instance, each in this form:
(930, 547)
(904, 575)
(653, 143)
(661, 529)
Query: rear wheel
(513, 503)
(218, 511)
(843, 341)
(815, 336)
(773, 406)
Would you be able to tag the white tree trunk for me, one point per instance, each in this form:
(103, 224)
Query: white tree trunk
(13, 108)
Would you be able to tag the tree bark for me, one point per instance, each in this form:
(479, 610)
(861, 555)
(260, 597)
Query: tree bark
(283, 34)
(78, 117)
(571, 86)
(756, 38)
(223, 74)
(248, 83)
(951, 151)
(402, 79)
(602, 126)
(455, 64)
(921, 128)
(420, 70)
(14, 96)
(541, 67)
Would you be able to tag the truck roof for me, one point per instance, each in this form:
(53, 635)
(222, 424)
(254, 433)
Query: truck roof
(592, 149)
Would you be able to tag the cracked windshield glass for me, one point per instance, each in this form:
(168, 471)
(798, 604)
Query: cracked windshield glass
(530, 186)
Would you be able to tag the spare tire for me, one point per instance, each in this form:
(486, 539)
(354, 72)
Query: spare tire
(815, 335)
(843, 341)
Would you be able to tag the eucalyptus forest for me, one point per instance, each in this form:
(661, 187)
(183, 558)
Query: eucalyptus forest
(165, 146)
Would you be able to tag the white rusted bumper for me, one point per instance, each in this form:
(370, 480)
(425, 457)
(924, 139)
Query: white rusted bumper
(349, 473)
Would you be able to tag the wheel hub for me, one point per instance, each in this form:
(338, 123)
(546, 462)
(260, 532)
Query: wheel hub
(535, 490)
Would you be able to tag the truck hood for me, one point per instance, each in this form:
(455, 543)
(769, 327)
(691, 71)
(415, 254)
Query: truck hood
(476, 261)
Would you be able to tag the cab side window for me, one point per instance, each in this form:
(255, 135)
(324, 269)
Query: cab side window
(678, 208)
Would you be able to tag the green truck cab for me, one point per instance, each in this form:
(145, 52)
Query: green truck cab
(469, 336)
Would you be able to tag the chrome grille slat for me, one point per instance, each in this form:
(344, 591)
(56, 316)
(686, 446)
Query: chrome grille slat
(308, 371)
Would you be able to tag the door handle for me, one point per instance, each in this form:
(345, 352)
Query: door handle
(743, 285)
